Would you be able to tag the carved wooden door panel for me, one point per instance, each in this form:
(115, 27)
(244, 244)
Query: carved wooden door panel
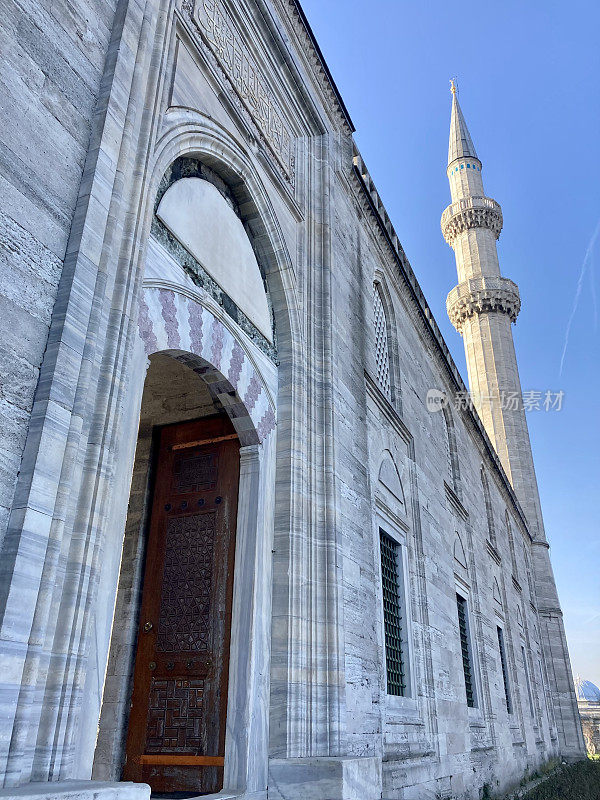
(176, 736)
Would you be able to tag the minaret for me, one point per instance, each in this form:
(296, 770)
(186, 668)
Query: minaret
(482, 308)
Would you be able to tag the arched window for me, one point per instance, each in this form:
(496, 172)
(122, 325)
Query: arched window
(511, 544)
(451, 450)
(529, 573)
(382, 353)
(488, 508)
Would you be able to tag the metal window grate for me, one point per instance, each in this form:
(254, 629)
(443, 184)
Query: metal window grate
(504, 669)
(488, 508)
(392, 617)
(461, 605)
(382, 356)
(449, 464)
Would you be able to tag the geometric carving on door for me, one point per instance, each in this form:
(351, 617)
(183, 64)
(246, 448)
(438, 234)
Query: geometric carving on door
(175, 716)
(184, 621)
(195, 473)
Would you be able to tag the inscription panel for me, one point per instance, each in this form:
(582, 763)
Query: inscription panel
(195, 473)
(221, 35)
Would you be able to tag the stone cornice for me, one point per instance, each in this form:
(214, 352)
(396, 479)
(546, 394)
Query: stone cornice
(492, 551)
(471, 212)
(478, 295)
(387, 409)
(455, 501)
(292, 11)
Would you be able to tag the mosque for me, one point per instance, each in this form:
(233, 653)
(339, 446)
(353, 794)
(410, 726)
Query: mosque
(588, 700)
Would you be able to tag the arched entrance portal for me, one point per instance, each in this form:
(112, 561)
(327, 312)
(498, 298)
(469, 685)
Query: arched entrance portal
(184, 703)
(183, 706)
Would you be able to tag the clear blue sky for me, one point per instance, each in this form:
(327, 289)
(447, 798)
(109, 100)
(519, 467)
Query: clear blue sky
(528, 75)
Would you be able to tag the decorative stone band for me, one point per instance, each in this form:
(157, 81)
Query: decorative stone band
(471, 212)
(175, 324)
(477, 295)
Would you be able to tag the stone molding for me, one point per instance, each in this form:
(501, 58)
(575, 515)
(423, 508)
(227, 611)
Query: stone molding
(468, 213)
(478, 295)
(78, 790)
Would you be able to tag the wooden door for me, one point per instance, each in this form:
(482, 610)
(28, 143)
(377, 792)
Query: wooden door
(176, 737)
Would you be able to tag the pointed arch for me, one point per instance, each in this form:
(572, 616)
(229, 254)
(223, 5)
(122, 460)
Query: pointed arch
(200, 218)
(172, 322)
(519, 616)
(496, 593)
(488, 507)
(459, 551)
(389, 478)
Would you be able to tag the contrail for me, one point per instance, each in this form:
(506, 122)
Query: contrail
(586, 259)
(593, 293)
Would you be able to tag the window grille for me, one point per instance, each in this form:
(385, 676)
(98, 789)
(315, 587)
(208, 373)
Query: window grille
(451, 450)
(529, 574)
(527, 681)
(392, 614)
(382, 356)
(449, 468)
(504, 669)
(463, 629)
(488, 508)
(511, 545)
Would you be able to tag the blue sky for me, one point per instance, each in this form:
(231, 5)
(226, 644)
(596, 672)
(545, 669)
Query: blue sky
(528, 75)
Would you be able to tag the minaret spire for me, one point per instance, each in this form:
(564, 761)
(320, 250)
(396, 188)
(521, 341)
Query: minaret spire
(460, 143)
(482, 308)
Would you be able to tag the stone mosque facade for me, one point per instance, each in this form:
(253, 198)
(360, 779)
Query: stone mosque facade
(251, 547)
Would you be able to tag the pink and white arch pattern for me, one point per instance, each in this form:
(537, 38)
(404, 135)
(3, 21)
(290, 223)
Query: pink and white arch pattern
(173, 323)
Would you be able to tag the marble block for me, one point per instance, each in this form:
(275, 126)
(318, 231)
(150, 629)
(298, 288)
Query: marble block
(325, 779)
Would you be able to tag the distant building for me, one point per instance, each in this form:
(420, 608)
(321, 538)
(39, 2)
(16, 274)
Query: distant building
(588, 700)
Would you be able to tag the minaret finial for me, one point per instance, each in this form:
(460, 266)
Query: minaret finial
(460, 144)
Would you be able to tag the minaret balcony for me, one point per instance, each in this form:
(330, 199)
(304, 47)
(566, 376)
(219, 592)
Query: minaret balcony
(471, 212)
(480, 295)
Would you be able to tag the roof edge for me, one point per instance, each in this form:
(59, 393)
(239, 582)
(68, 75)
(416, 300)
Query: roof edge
(320, 56)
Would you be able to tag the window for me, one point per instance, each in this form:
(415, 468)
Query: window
(448, 451)
(382, 355)
(504, 669)
(488, 508)
(527, 681)
(511, 544)
(465, 647)
(451, 450)
(529, 575)
(391, 583)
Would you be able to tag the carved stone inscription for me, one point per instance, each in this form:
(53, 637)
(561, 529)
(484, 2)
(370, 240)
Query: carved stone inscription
(218, 29)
